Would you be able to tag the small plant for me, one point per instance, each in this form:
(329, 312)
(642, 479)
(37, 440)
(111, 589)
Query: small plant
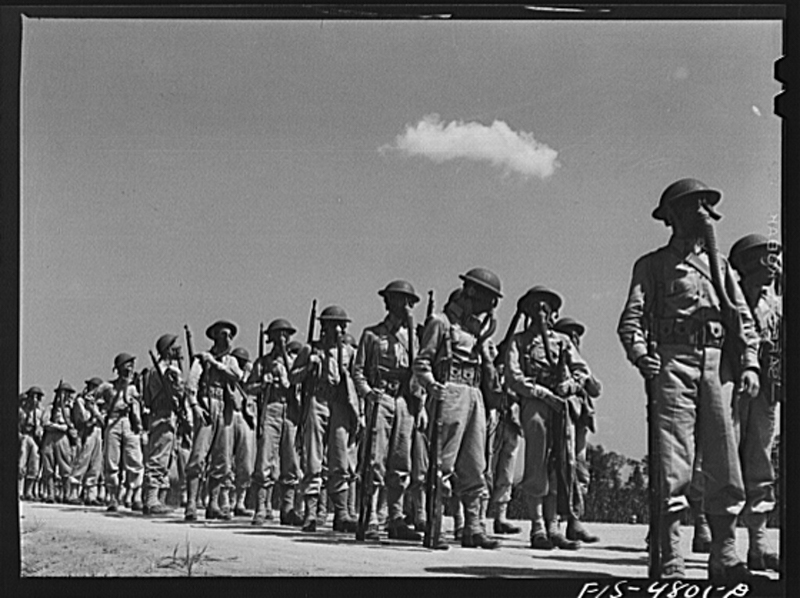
(186, 561)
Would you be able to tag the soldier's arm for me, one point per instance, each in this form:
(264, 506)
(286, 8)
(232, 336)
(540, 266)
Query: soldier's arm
(750, 356)
(299, 369)
(432, 337)
(490, 379)
(360, 365)
(253, 383)
(631, 329)
(517, 381)
(193, 382)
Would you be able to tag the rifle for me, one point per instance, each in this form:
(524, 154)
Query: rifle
(200, 395)
(433, 482)
(654, 468)
(177, 408)
(260, 394)
(308, 384)
(428, 314)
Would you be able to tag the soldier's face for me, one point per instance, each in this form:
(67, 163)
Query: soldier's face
(398, 304)
(126, 369)
(482, 301)
(223, 336)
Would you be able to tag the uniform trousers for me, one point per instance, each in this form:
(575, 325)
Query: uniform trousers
(329, 438)
(160, 451)
(502, 446)
(87, 465)
(276, 456)
(695, 413)
(391, 457)
(121, 444)
(462, 450)
(241, 449)
(210, 445)
(56, 455)
(28, 457)
(754, 423)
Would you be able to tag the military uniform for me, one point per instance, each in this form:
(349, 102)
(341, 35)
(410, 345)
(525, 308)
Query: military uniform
(122, 440)
(548, 426)
(208, 386)
(277, 461)
(673, 302)
(240, 410)
(31, 430)
(161, 425)
(331, 421)
(754, 417)
(450, 354)
(381, 375)
(56, 448)
(503, 434)
(87, 465)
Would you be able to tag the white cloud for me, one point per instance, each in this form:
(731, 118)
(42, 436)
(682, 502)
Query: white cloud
(497, 144)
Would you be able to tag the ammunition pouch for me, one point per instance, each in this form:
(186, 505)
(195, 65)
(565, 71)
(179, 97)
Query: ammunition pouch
(464, 373)
(687, 331)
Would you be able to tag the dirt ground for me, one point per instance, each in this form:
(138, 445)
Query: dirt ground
(60, 540)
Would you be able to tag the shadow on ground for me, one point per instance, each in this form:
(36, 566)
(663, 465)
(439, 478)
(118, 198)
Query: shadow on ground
(492, 571)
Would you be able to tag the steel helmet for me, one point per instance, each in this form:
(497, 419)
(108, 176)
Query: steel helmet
(484, 278)
(294, 346)
(685, 188)
(280, 324)
(164, 343)
(93, 382)
(526, 302)
(402, 287)
(211, 331)
(121, 359)
(241, 353)
(66, 387)
(748, 243)
(568, 325)
(34, 391)
(334, 312)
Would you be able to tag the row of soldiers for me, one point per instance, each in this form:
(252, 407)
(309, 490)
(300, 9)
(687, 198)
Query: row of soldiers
(432, 415)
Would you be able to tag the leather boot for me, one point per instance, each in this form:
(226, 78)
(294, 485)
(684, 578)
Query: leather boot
(558, 539)
(289, 514)
(239, 509)
(760, 557)
(724, 566)
(310, 520)
(322, 506)
(192, 489)
(91, 497)
(576, 531)
(342, 522)
(474, 533)
(260, 514)
(50, 491)
(163, 496)
(72, 492)
(154, 504)
(701, 542)
(225, 502)
(268, 503)
(111, 497)
(672, 563)
(28, 492)
(351, 500)
(503, 525)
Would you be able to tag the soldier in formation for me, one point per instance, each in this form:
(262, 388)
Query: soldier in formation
(440, 404)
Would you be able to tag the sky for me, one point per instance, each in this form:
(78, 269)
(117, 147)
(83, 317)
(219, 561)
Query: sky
(183, 171)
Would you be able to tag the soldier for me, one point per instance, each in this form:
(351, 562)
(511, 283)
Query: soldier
(241, 409)
(278, 414)
(455, 366)
(31, 430)
(213, 376)
(543, 368)
(88, 462)
(756, 259)
(162, 403)
(122, 428)
(56, 448)
(382, 376)
(679, 303)
(332, 416)
(584, 422)
(503, 434)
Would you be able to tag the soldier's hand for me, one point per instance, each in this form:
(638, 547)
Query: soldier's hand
(436, 390)
(749, 383)
(649, 365)
(423, 419)
(568, 387)
(314, 366)
(198, 416)
(267, 380)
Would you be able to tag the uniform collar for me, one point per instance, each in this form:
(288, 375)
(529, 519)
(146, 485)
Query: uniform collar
(683, 246)
(392, 323)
